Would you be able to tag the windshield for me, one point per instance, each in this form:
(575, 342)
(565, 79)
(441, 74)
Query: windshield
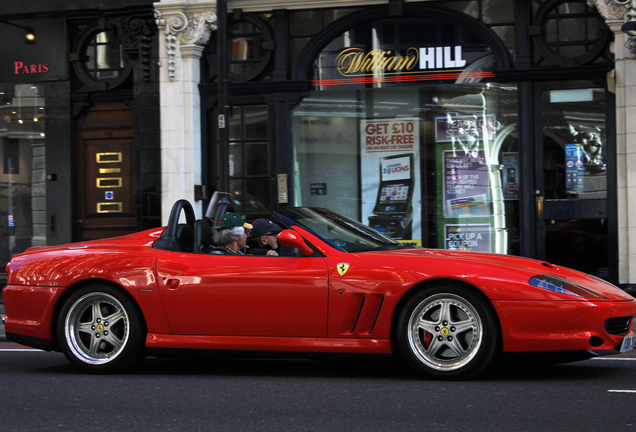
(336, 230)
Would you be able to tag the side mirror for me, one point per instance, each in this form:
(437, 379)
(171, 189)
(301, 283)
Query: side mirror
(291, 238)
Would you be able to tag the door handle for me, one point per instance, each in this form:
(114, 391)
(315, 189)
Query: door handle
(539, 200)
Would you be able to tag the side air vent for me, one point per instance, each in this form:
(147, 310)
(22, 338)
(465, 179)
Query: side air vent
(618, 326)
(366, 315)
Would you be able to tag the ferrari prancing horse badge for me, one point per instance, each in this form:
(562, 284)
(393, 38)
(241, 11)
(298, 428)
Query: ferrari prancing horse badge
(343, 268)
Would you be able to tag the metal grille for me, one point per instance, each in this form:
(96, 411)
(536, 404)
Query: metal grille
(618, 326)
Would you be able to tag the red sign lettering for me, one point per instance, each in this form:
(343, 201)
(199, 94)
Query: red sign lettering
(20, 68)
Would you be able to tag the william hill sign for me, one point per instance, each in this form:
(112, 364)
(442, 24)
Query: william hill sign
(356, 61)
(355, 66)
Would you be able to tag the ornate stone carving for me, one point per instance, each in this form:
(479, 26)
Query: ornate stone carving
(616, 11)
(612, 9)
(135, 35)
(179, 28)
(199, 28)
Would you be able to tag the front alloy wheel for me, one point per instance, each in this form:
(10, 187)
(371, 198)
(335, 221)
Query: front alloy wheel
(448, 332)
(100, 330)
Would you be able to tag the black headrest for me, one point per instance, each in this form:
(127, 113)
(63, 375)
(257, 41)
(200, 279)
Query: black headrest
(185, 238)
(202, 236)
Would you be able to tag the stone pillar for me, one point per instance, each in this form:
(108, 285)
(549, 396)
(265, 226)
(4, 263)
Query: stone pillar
(615, 12)
(187, 26)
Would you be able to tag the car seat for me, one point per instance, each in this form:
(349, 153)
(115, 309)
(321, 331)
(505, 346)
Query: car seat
(202, 236)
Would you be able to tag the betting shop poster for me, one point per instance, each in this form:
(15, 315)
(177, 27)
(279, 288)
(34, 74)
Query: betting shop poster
(466, 184)
(464, 191)
(390, 180)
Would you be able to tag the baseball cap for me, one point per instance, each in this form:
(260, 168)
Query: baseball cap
(231, 220)
(262, 226)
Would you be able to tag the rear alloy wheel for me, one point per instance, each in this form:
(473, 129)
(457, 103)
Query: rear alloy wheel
(448, 332)
(100, 330)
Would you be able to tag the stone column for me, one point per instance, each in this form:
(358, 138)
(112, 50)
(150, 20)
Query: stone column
(615, 12)
(187, 26)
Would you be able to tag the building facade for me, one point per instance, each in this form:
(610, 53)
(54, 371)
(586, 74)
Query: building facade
(484, 125)
(79, 129)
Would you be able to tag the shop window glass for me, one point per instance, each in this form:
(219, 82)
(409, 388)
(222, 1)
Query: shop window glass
(22, 180)
(574, 144)
(256, 121)
(236, 159)
(257, 160)
(470, 8)
(508, 36)
(235, 124)
(435, 165)
(304, 23)
(498, 11)
(333, 14)
(250, 169)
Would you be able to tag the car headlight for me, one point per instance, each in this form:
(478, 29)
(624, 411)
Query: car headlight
(562, 286)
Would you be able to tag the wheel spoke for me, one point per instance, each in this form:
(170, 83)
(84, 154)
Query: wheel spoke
(427, 326)
(97, 313)
(434, 347)
(445, 312)
(114, 341)
(84, 328)
(94, 346)
(457, 347)
(114, 317)
(462, 326)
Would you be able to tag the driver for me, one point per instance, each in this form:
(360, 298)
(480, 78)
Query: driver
(264, 238)
(231, 234)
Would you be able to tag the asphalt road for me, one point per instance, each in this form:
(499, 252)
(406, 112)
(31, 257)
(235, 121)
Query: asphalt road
(41, 392)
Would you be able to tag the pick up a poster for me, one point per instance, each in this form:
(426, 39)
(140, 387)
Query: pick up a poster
(466, 184)
(468, 237)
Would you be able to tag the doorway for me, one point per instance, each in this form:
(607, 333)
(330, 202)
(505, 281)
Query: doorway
(104, 192)
(574, 178)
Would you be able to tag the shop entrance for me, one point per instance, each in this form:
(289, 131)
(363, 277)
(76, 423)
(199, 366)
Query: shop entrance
(104, 189)
(572, 157)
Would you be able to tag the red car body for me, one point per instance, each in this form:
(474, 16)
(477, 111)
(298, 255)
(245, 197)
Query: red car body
(304, 304)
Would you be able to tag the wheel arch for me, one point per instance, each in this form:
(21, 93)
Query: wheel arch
(79, 285)
(431, 283)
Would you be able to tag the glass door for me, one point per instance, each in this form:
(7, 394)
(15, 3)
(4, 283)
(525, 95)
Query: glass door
(572, 175)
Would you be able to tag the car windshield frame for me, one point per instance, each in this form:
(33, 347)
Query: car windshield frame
(338, 231)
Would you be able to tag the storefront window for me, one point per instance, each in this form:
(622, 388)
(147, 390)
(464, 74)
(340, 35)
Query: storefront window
(22, 176)
(437, 166)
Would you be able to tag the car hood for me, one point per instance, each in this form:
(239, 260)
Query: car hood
(523, 268)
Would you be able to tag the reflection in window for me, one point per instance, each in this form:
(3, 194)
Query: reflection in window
(104, 57)
(574, 144)
(22, 180)
(434, 165)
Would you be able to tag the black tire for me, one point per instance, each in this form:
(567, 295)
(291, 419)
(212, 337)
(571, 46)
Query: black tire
(446, 331)
(101, 331)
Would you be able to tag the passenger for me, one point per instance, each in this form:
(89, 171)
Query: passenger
(264, 238)
(231, 234)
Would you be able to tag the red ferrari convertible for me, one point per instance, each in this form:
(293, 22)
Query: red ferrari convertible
(340, 288)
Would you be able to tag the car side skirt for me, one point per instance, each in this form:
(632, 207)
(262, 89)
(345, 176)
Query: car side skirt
(33, 342)
(255, 343)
